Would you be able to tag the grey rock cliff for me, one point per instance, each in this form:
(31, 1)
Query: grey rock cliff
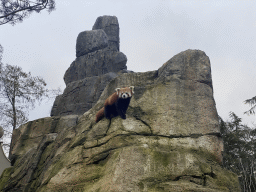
(1, 132)
(79, 96)
(90, 41)
(110, 25)
(98, 62)
(95, 64)
(170, 140)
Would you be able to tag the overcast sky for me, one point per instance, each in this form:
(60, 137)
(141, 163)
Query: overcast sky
(151, 32)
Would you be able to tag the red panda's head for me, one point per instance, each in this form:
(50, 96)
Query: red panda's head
(125, 92)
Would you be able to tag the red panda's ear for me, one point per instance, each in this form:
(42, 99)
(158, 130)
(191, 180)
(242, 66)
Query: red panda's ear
(132, 88)
(117, 90)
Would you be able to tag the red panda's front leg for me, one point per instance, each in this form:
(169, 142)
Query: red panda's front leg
(110, 111)
(121, 113)
(121, 107)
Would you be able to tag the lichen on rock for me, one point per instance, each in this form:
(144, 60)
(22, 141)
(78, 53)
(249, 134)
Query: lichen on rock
(170, 140)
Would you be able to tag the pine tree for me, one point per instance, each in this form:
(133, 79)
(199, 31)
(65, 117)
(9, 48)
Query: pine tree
(239, 150)
(252, 103)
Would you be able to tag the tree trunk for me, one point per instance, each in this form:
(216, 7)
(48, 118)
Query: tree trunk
(14, 114)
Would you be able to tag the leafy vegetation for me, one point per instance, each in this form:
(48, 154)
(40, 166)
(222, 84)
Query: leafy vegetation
(239, 151)
(252, 103)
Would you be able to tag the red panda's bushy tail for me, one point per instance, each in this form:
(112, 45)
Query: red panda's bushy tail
(99, 115)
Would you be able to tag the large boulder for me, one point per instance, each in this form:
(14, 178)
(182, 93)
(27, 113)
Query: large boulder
(97, 51)
(111, 26)
(79, 96)
(170, 140)
(97, 54)
(90, 41)
(95, 64)
(1, 131)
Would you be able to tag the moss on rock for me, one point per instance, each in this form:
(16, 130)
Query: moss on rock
(170, 140)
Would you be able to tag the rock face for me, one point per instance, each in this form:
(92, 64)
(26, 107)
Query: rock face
(4, 161)
(90, 41)
(95, 64)
(111, 27)
(98, 62)
(81, 95)
(1, 131)
(170, 140)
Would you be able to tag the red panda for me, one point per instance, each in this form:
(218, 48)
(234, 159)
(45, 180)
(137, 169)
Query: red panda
(116, 104)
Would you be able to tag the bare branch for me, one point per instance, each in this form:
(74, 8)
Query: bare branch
(20, 91)
(13, 11)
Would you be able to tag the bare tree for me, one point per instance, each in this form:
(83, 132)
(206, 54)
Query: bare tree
(18, 93)
(1, 55)
(13, 11)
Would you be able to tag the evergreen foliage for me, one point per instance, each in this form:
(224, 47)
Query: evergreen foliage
(239, 151)
(252, 103)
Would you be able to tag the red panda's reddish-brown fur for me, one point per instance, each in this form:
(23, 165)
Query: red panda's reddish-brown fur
(116, 104)
(111, 99)
(100, 114)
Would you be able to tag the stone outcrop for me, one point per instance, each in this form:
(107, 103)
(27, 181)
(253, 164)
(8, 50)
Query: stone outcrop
(1, 131)
(170, 140)
(4, 161)
(111, 27)
(95, 64)
(90, 41)
(80, 96)
(98, 62)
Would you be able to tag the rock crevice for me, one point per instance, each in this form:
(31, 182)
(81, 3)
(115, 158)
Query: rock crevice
(169, 141)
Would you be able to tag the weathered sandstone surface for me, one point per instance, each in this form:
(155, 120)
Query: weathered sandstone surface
(170, 140)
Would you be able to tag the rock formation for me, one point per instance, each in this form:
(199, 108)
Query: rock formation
(97, 63)
(4, 161)
(1, 131)
(170, 140)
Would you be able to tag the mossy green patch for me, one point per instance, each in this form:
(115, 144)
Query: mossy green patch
(162, 157)
(5, 177)
(141, 186)
(192, 164)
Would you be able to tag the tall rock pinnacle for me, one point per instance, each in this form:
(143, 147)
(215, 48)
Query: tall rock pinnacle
(97, 63)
